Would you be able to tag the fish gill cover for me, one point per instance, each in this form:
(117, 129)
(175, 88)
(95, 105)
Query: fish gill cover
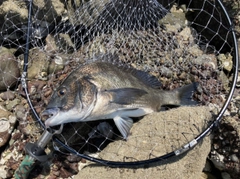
(178, 42)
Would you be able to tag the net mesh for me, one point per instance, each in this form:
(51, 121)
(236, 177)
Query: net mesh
(178, 42)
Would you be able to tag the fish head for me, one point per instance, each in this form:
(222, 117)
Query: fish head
(72, 101)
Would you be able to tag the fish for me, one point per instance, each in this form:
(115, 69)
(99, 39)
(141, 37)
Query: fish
(101, 90)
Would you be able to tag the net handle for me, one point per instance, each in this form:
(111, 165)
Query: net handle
(25, 63)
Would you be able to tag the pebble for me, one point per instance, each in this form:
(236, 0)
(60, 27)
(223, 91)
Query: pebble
(56, 65)
(3, 172)
(7, 121)
(226, 61)
(11, 104)
(217, 160)
(3, 112)
(7, 95)
(234, 158)
(21, 112)
(225, 175)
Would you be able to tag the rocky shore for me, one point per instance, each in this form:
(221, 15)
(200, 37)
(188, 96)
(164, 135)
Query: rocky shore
(170, 52)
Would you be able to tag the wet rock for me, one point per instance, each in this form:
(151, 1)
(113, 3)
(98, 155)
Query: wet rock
(9, 71)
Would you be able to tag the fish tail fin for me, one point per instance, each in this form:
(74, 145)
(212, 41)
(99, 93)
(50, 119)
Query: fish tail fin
(185, 94)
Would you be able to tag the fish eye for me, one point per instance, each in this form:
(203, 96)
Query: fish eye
(62, 92)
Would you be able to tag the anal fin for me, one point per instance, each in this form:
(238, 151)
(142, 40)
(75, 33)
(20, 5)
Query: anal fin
(124, 124)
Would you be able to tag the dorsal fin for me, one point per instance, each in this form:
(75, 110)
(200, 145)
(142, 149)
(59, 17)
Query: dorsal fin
(144, 77)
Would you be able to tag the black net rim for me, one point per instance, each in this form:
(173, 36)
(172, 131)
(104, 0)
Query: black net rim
(143, 163)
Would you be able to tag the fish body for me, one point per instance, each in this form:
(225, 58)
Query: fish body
(102, 90)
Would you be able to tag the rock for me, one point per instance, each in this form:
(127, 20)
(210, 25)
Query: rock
(207, 167)
(7, 95)
(238, 79)
(225, 175)
(21, 112)
(4, 134)
(226, 61)
(217, 160)
(234, 158)
(186, 34)
(7, 121)
(9, 71)
(50, 10)
(207, 176)
(11, 104)
(64, 43)
(38, 64)
(224, 80)
(147, 140)
(11, 13)
(3, 172)
(176, 19)
(195, 51)
(3, 112)
(209, 60)
(11, 157)
(17, 9)
(50, 46)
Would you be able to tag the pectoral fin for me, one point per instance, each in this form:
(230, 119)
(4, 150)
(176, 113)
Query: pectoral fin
(126, 96)
(124, 124)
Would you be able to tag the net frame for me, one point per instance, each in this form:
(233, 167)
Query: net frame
(185, 148)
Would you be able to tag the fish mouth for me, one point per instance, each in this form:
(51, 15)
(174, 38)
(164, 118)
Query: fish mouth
(52, 113)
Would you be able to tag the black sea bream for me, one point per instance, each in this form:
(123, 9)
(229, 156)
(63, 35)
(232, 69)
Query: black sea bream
(101, 90)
